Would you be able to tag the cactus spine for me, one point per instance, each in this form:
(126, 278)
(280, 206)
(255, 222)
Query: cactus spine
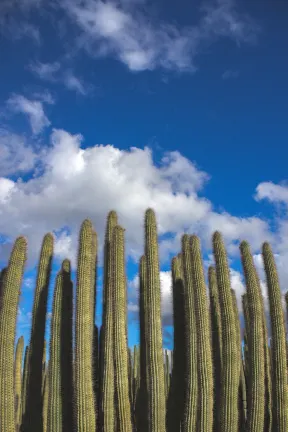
(230, 351)
(191, 374)
(85, 413)
(17, 380)
(155, 367)
(278, 348)
(107, 366)
(256, 395)
(204, 354)
(123, 407)
(33, 414)
(10, 296)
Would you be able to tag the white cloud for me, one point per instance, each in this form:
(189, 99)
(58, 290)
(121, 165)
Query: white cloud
(16, 155)
(272, 192)
(45, 71)
(122, 30)
(73, 83)
(32, 108)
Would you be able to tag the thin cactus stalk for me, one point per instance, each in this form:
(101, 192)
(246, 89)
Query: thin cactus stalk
(18, 380)
(84, 401)
(246, 337)
(230, 351)
(176, 394)
(155, 367)
(256, 395)
(8, 316)
(167, 373)
(191, 373)
(278, 348)
(24, 383)
(33, 414)
(216, 330)
(45, 399)
(43, 366)
(204, 354)
(107, 349)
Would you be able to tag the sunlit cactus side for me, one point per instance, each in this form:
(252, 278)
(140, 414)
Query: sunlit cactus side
(256, 395)
(45, 399)
(242, 400)
(204, 352)
(18, 380)
(33, 413)
(142, 399)
(155, 366)
(230, 351)
(278, 347)
(246, 337)
(216, 330)
(107, 348)
(175, 401)
(24, 383)
(123, 407)
(8, 316)
(191, 372)
(84, 402)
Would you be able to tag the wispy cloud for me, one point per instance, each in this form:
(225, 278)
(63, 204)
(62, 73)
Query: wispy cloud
(73, 83)
(45, 71)
(136, 39)
(32, 108)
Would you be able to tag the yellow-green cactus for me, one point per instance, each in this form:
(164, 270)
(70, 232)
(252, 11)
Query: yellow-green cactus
(18, 380)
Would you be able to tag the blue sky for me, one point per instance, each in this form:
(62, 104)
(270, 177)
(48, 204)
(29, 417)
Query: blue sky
(131, 104)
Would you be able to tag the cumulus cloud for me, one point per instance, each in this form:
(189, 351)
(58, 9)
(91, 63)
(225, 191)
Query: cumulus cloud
(122, 30)
(272, 192)
(32, 108)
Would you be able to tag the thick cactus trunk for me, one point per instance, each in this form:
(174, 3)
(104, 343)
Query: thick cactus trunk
(155, 367)
(278, 348)
(230, 351)
(10, 297)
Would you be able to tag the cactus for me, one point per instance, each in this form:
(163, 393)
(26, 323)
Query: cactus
(216, 330)
(24, 383)
(33, 414)
(17, 380)
(204, 354)
(191, 372)
(10, 297)
(155, 367)
(45, 399)
(278, 348)
(123, 408)
(230, 351)
(256, 395)
(84, 400)
(107, 366)
(43, 366)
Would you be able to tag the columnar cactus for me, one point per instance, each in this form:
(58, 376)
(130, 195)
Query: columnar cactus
(204, 354)
(191, 372)
(278, 347)
(45, 399)
(24, 382)
(107, 366)
(85, 413)
(230, 351)
(216, 330)
(123, 407)
(155, 367)
(10, 297)
(18, 380)
(33, 414)
(256, 395)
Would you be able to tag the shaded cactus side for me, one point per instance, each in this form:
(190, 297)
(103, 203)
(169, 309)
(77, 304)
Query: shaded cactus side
(230, 351)
(155, 367)
(33, 412)
(18, 380)
(278, 347)
(10, 297)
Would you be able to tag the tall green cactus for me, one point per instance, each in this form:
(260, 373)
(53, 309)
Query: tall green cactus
(191, 372)
(278, 347)
(230, 351)
(256, 395)
(155, 367)
(85, 413)
(24, 383)
(204, 353)
(216, 330)
(45, 399)
(43, 366)
(10, 297)
(18, 380)
(33, 421)
(107, 349)
(123, 407)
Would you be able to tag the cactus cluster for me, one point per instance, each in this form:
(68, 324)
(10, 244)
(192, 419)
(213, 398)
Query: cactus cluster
(212, 381)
